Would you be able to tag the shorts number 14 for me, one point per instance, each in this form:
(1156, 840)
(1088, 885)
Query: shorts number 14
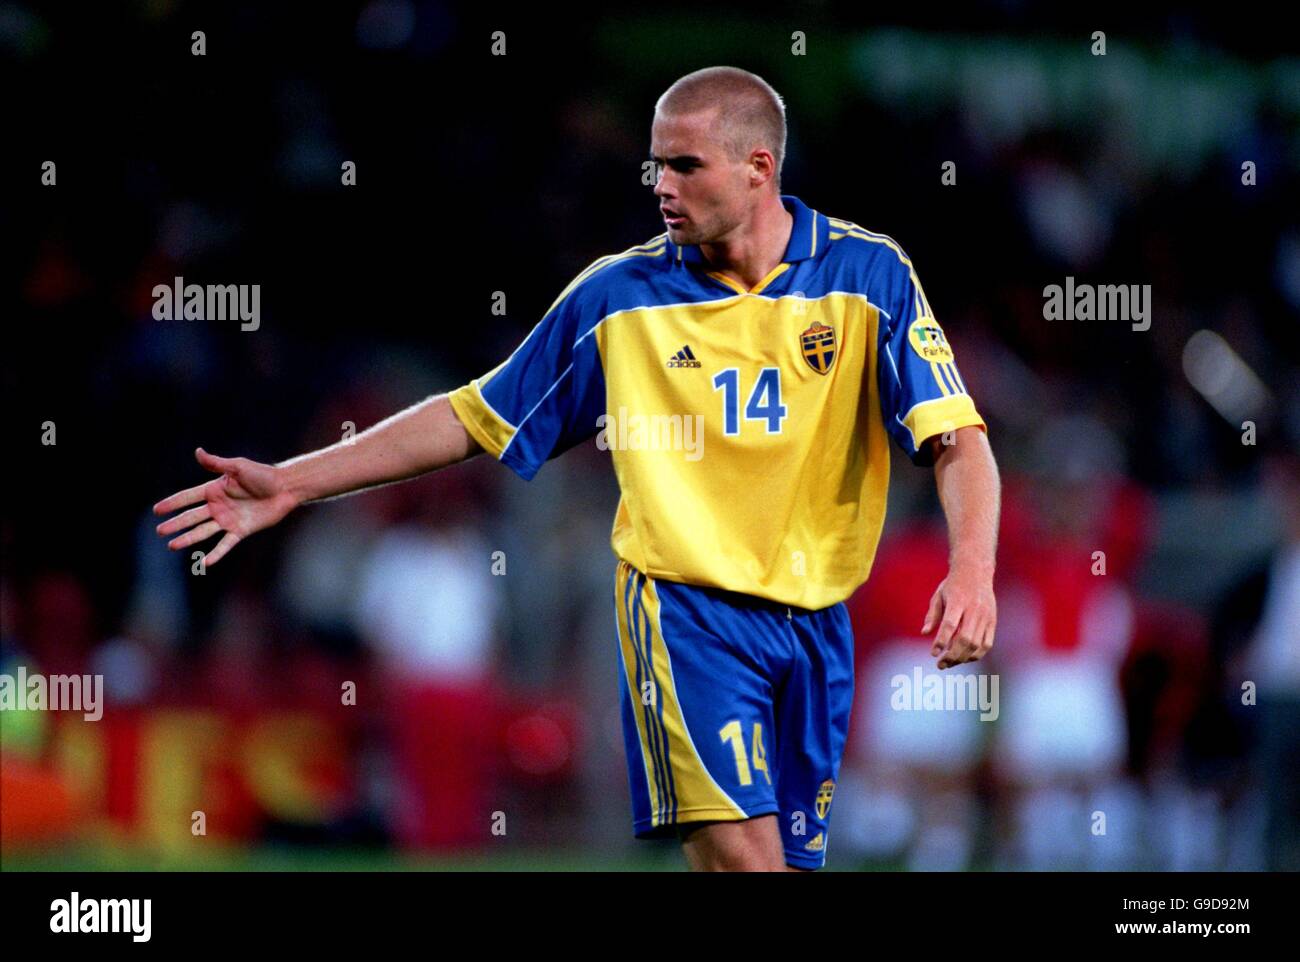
(731, 732)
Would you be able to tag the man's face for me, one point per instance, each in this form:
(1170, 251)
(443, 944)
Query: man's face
(698, 182)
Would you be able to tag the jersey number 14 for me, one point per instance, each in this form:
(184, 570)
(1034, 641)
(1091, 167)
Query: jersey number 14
(764, 402)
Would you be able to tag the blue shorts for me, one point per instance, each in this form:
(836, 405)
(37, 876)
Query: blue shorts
(733, 707)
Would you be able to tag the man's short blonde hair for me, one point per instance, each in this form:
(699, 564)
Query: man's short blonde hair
(750, 113)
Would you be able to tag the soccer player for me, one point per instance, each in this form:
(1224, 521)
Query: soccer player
(800, 344)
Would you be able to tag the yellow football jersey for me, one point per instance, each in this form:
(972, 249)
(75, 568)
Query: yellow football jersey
(748, 429)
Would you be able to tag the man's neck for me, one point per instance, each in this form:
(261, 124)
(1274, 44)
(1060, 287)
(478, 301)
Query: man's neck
(761, 246)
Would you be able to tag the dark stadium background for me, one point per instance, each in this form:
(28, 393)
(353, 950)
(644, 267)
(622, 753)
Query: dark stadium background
(475, 173)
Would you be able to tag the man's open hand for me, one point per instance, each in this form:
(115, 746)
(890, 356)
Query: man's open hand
(966, 613)
(248, 497)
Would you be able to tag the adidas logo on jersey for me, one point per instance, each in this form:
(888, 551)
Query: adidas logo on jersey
(684, 358)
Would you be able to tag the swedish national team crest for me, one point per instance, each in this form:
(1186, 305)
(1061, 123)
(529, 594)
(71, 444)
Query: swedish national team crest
(824, 794)
(818, 344)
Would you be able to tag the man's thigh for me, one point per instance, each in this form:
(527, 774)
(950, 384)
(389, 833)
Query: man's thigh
(696, 702)
(812, 709)
(753, 845)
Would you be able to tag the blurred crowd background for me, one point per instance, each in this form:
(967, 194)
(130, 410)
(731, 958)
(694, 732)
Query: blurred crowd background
(469, 613)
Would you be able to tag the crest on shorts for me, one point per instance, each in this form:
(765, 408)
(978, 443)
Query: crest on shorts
(824, 795)
(818, 344)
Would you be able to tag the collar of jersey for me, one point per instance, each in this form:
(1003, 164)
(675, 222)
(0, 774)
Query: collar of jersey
(809, 236)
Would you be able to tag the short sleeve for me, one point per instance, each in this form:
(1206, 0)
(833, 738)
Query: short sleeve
(545, 397)
(922, 393)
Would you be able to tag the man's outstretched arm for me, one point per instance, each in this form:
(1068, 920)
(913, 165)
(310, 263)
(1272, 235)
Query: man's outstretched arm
(963, 607)
(250, 496)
